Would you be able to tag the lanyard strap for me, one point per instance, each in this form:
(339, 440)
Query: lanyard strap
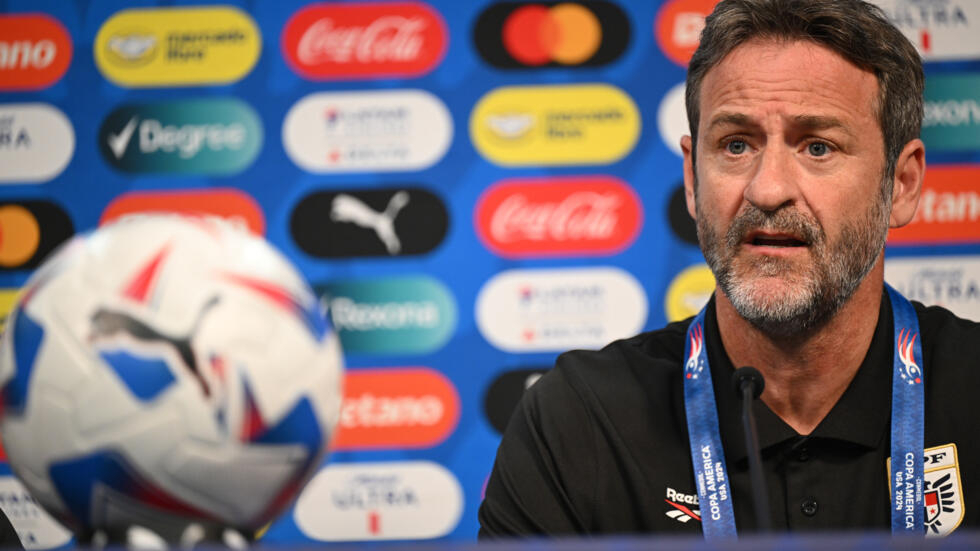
(907, 427)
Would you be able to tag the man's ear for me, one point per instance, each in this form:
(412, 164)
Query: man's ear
(910, 169)
(687, 147)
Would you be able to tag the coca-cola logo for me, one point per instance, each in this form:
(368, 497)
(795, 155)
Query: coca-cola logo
(384, 39)
(593, 215)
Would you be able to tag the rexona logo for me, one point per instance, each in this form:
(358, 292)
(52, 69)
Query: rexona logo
(952, 111)
(199, 136)
(367, 40)
(678, 27)
(940, 29)
(228, 203)
(379, 222)
(689, 291)
(177, 46)
(591, 215)
(505, 392)
(578, 124)
(949, 209)
(29, 231)
(399, 500)
(35, 51)
(396, 315)
(559, 309)
(512, 35)
(367, 131)
(35, 528)
(36, 142)
(396, 408)
(952, 282)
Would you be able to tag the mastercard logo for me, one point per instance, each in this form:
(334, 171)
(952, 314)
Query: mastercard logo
(29, 230)
(231, 204)
(678, 27)
(513, 35)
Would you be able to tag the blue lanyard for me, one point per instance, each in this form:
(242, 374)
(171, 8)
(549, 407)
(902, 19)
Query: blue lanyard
(907, 427)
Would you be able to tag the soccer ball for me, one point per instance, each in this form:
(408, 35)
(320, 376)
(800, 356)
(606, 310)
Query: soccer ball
(166, 370)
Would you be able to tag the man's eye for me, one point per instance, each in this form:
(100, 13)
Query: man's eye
(818, 149)
(736, 147)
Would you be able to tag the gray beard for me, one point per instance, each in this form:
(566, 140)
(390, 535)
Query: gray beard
(836, 271)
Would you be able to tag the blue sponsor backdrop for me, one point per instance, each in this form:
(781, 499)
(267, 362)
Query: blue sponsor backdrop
(460, 262)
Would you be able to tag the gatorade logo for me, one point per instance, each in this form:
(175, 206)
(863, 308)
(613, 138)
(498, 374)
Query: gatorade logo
(678, 27)
(949, 209)
(366, 40)
(35, 51)
(37, 142)
(202, 136)
(512, 35)
(689, 291)
(592, 215)
(228, 203)
(177, 46)
(29, 231)
(396, 408)
(578, 124)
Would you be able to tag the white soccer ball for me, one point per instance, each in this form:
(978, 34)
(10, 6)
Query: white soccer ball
(167, 369)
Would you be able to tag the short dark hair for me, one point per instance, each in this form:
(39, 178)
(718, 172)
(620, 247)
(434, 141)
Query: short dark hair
(856, 30)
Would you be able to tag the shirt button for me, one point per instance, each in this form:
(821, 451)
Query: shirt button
(803, 454)
(809, 506)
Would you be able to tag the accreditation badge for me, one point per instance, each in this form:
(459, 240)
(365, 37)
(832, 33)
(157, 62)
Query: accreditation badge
(943, 493)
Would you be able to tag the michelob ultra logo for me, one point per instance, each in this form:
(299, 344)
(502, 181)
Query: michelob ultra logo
(396, 315)
(941, 30)
(952, 282)
(577, 124)
(36, 142)
(200, 136)
(948, 211)
(410, 407)
(35, 51)
(228, 203)
(29, 231)
(952, 112)
(177, 46)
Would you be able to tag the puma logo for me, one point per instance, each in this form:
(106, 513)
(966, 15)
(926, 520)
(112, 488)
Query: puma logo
(347, 208)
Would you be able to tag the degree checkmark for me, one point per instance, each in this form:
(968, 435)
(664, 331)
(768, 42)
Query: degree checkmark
(119, 142)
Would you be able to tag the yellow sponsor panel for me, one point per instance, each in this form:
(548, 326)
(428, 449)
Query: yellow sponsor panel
(555, 125)
(8, 297)
(689, 292)
(177, 46)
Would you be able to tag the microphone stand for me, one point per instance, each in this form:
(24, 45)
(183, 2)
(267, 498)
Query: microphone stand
(748, 384)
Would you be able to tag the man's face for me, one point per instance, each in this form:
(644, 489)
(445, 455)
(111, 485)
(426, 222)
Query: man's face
(789, 204)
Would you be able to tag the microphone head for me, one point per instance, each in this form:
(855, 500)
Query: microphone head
(748, 376)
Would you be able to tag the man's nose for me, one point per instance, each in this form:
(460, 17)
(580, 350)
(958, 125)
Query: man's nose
(774, 183)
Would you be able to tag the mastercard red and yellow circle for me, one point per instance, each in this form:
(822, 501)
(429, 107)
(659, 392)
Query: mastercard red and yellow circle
(564, 33)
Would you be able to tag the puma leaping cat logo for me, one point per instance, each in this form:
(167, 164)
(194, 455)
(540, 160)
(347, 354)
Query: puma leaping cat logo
(347, 208)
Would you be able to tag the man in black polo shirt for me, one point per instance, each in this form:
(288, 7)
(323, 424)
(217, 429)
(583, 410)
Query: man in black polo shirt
(804, 150)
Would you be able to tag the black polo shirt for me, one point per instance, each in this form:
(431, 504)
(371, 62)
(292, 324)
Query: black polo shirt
(600, 445)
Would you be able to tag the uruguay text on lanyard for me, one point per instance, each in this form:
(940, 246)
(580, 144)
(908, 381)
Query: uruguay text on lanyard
(906, 479)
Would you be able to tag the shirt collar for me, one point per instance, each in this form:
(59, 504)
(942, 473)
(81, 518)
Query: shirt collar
(861, 415)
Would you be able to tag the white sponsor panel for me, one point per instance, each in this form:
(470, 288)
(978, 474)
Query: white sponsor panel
(380, 501)
(559, 309)
(36, 142)
(672, 118)
(367, 131)
(35, 527)
(952, 282)
(939, 29)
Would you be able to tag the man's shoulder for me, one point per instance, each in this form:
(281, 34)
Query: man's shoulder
(941, 327)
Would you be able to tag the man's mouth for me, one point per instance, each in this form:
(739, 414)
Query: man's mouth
(761, 239)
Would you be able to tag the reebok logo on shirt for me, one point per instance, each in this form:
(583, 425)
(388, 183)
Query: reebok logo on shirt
(679, 509)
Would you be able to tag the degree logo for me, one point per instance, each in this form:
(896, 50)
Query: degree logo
(199, 136)
(941, 30)
(592, 215)
(678, 27)
(35, 51)
(580, 124)
(228, 203)
(366, 40)
(190, 46)
(952, 112)
(512, 35)
(29, 231)
(689, 291)
(949, 209)
(396, 408)
(37, 142)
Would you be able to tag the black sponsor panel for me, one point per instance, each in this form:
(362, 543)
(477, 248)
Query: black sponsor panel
(395, 221)
(488, 34)
(53, 227)
(505, 392)
(680, 220)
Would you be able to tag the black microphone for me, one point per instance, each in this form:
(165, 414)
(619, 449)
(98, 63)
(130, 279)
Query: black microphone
(748, 383)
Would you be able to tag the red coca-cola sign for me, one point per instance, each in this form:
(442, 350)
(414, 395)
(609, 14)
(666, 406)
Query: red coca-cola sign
(592, 215)
(370, 40)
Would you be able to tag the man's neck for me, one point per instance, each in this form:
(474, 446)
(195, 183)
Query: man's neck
(806, 375)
